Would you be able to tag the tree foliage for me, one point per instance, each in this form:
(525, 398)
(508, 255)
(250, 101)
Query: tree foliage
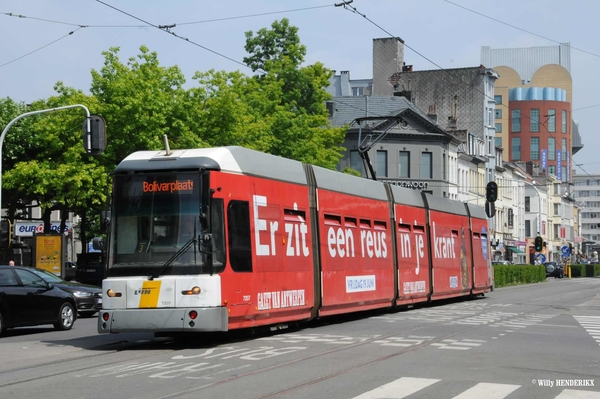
(296, 96)
(142, 101)
(279, 110)
(55, 172)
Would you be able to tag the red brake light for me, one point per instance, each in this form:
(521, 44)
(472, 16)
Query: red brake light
(193, 314)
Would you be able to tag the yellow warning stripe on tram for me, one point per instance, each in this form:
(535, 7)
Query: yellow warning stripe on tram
(150, 293)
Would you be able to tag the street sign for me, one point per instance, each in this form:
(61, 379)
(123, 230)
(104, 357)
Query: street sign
(541, 258)
(565, 251)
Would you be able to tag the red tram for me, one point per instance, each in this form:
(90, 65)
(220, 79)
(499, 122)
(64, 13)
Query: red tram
(226, 238)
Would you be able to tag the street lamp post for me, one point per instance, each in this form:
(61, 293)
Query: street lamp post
(34, 113)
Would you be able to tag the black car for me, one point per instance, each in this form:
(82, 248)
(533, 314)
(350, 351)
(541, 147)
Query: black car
(88, 298)
(554, 269)
(91, 268)
(70, 268)
(26, 299)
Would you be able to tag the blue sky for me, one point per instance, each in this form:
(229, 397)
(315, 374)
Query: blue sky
(445, 33)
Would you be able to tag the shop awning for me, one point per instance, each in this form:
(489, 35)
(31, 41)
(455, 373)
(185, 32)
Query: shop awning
(515, 249)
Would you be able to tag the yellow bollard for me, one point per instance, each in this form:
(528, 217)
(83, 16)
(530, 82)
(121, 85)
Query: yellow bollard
(569, 266)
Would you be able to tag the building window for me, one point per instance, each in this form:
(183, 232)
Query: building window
(358, 91)
(356, 161)
(498, 114)
(382, 163)
(534, 149)
(404, 165)
(564, 121)
(527, 204)
(552, 170)
(498, 127)
(516, 149)
(426, 165)
(564, 147)
(498, 141)
(551, 120)
(444, 175)
(551, 149)
(498, 99)
(563, 177)
(516, 120)
(527, 228)
(534, 123)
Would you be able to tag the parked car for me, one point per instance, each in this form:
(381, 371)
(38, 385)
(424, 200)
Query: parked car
(91, 268)
(26, 299)
(501, 262)
(554, 269)
(70, 268)
(88, 298)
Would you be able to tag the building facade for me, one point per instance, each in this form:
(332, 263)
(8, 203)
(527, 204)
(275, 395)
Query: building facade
(586, 191)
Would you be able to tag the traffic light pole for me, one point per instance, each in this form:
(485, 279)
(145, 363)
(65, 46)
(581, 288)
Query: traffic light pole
(34, 113)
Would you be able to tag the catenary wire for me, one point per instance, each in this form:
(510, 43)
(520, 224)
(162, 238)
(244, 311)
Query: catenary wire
(44, 46)
(353, 9)
(262, 14)
(521, 29)
(167, 30)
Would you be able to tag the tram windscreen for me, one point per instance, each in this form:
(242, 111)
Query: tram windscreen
(154, 216)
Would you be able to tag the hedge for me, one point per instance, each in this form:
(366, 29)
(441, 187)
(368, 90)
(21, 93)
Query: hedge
(505, 275)
(585, 270)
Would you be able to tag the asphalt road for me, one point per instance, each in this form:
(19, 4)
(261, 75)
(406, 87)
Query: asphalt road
(513, 343)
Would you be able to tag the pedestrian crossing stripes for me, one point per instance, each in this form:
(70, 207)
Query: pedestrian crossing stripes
(591, 325)
(425, 387)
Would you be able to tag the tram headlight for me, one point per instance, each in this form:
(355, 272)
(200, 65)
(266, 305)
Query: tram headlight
(112, 294)
(194, 291)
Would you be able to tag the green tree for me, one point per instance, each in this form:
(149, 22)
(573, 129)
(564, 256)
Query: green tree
(294, 96)
(142, 101)
(17, 146)
(56, 173)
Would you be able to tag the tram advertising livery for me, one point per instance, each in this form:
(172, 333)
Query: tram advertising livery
(226, 238)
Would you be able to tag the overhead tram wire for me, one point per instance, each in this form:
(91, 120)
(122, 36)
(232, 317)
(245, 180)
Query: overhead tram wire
(44, 46)
(253, 15)
(10, 14)
(346, 6)
(521, 29)
(166, 29)
(177, 23)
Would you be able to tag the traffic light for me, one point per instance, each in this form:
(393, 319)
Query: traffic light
(94, 141)
(539, 243)
(5, 234)
(491, 191)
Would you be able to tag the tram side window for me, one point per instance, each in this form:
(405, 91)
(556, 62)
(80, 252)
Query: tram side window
(238, 226)
(218, 224)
